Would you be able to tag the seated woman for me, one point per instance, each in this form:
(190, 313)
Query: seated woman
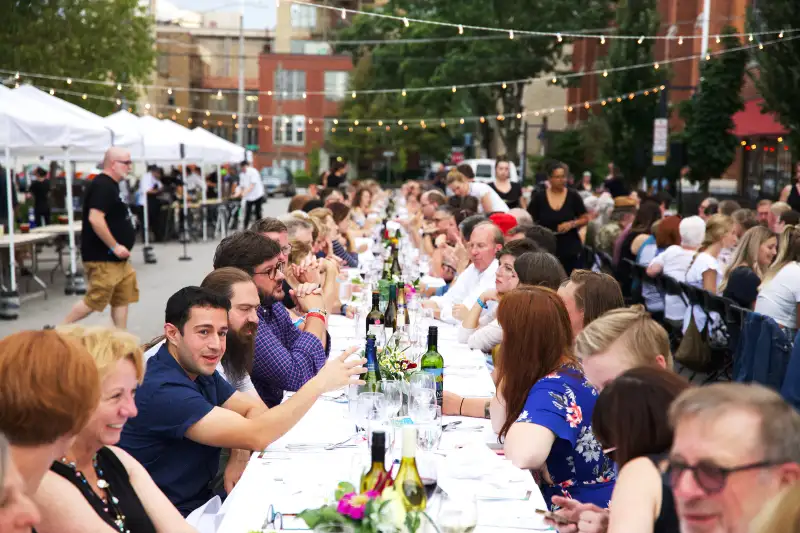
(543, 408)
(362, 207)
(488, 199)
(748, 264)
(482, 332)
(17, 511)
(705, 271)
(630, 421)
(779, 295)
(320, 271)
(665, 234)
(96, 486)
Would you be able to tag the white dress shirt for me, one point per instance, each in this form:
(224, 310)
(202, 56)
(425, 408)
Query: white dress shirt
(465, 290)
(146, 184)
(251, 177)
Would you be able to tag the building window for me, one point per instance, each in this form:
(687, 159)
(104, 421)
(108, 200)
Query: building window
(222, 131)
(336, 84)
(251, 104)
(162, 64)
(289, 130)
(290, 84)
(294, 165)
(218, 102)
(251, 138)
(304, 16)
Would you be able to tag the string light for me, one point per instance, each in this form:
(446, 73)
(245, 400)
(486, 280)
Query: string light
(760, 46)
(219, 95)
(69, 81)
(233, 116)
(355, 122)
(353, 95)
(641, 39)
(400, 122)
(460, 29)
(558, 37)
(569, 109)
(85, 96)
(344, 14)
(780, 35)
(178, 111)
(405, 127)
(780, 139)
(504, 85)
(454, 88)
(304, 95)
(605, 73)
(511, 34)
(603, 39)
(169, 91)
(483, 120)
(519, 116)
(16, 76)
(336, 121)
(388, 128)
(750, 38)
(208, 113)
(744, 143)
(587, 105)
(461, 121)
(119, 86)
(655, 66)
(443, 124)
(52, 92)
(404, 92)
(708, 57)
(405, 22)
(680, 39)
(147, 106)
(718, 39)
(555, 80)
(351, 129)
(380, 123)
(603, 103)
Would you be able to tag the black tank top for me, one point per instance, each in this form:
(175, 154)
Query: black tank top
(667, 521)
(794, 198)
(121, 498)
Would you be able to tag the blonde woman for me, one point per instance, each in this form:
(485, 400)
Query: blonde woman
(97, 487)
(488, 199)
(748, 264)
(779, 295)
(705, 271)
(322, 271)
(780, 514)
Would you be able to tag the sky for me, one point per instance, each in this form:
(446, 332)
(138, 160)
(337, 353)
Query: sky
(258, 14)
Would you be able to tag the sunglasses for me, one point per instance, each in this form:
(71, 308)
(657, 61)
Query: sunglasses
(708, 476)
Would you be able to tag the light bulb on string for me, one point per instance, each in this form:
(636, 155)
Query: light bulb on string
(603, 103)
(718, 39)
(569, 109)
(656, 66)
(760, 46)
(119, 86)
(511, 34)
(443, 124)
(587, 105)
(504, 85)
(208, 113)
(69, 81)
(269, 93)
(641, 39)
(147, 106)
(519, 116)
(85, 96)
(404, 92)
(558, 37)
(380, 123)
(405, 22)
(630, 96)
(708, 57)
(647, 93)
(178, 111)
(353, 94)
(344, 14)
(680, 39)
(310, 121)
(535, 113)
(461, 121)
(219, 95)
(350, 129)
(333, 130)
(16, 76)
(780, 35)
(483, 120)
(355, 122)
(454, 88)
(52, 92)
(605, 73)
(619, 99)
(233, 116)
(405, 127)
(336, 121)
(750, 38)
(400, 122)
(260, 118)
(169, 90)
(602, 39)
(555, 80)
(460, 29)
(304, 95)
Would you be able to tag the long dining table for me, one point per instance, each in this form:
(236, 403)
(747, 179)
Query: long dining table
(468, 457)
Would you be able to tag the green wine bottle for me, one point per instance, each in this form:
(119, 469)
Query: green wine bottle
(391, 312)
(378, 468)
(376, 319)
(433, 363)
(408, 482)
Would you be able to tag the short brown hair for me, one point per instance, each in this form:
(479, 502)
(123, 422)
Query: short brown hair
(49, 387)
(268, 225)
(107, 346)
(539, 268)
(595, 294)
(298, 201)
(340, 211)
(643, 337)
(299, 251)
(223, 279)
(631, 412)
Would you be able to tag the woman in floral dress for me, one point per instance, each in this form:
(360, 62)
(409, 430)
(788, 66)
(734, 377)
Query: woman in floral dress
(543, 408)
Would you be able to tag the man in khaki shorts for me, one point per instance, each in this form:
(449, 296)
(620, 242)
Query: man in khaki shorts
(106, 240)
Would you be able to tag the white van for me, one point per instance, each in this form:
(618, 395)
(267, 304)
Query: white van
(484, 169)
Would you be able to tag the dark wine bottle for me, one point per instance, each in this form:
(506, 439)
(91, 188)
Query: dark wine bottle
(378, 467)
(376, 319)
(433, 363)
(391, 312)
(373, 375)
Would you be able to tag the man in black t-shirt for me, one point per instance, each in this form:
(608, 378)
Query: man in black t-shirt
(40, 191)
(106, 240)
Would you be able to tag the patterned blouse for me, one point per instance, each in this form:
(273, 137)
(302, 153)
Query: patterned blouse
(563, 402)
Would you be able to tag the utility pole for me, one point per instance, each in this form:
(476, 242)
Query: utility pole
(706, 20)
(240, 112)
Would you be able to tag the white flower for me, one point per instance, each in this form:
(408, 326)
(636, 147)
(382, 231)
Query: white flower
(392, 514)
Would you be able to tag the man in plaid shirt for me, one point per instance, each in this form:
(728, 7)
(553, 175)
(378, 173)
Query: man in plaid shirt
(285, 357)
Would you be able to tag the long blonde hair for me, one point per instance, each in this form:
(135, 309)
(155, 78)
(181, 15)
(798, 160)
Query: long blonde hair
(746, 254)
(717, 226)
(788, 252)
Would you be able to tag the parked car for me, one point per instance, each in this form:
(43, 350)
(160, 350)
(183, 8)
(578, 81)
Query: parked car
(484, 169)
(278, 180)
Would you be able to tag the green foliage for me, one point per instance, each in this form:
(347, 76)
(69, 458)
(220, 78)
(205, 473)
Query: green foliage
(302, 178)
(778, 75)
(630, 124)
(710, 143)
(102, 40)
(582, 148)
(463, 62)
(314, 161)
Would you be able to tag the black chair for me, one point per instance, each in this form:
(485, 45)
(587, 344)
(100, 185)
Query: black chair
(672, 287)
(606, 263)
(638, 276)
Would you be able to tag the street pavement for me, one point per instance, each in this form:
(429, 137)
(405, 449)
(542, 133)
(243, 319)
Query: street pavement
(156, 284)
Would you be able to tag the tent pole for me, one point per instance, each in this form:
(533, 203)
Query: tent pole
(203, 206)
(185, 236)
(222, 209)
(75, 282)
(9, 300)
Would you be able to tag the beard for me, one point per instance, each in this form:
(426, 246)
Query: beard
(238, 358)
(267, 299)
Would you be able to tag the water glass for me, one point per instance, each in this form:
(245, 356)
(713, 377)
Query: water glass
(393, 391)
(457, 512)
(429, 428)
(422, 380)
(422, 404)
(371, 406)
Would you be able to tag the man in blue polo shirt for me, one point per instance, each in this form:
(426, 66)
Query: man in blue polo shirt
(187, 412)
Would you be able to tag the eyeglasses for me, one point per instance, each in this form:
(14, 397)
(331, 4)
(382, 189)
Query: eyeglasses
(708, 476)
(274, 520)
(285, 250)
(271, 272)
(127, 162)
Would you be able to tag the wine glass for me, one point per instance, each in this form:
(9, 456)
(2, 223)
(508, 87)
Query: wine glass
(422, 380)
(429, 429)
(458, 513)
(422, 404)
(393, 391)
(371, 406)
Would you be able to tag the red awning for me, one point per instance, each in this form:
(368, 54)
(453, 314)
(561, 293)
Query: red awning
(753, 123)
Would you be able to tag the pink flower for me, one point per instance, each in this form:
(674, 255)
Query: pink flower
(574, 415)
(353, 505)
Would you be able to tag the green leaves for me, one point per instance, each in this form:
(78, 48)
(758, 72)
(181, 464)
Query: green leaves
(101, 40)
(710, 142)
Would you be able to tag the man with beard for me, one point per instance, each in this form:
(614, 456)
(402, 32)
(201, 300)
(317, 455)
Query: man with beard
(285, 358)
(187, 413)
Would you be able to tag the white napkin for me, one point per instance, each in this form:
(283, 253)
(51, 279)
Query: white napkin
(204, 519)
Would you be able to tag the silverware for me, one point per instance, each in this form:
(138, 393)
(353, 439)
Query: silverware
(320, 446)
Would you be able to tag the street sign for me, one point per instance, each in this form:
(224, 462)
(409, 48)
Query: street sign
(388, 154)
(660, 141)
(456, 156)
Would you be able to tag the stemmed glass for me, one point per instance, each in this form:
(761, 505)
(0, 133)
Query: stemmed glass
(393, 392)
(429, 427)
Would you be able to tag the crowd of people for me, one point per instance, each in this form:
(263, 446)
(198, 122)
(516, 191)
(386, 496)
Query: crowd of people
(99, 433)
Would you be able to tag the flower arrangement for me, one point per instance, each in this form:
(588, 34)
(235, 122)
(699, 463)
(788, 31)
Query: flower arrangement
(394, 362)
(380, 510)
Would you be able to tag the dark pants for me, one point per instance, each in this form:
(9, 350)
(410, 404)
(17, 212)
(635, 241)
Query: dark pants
(42, 217)
(253, 208)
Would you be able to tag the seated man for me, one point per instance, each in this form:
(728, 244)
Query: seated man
(285, 357)
(484, 243)
(187, 412)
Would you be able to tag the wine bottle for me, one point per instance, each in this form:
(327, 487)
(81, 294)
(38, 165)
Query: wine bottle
(378, 468)
(408, 482)
(402, 310)
(391, 312)
(373, 375)
(375, 319)
(395, 265)
(433, 363)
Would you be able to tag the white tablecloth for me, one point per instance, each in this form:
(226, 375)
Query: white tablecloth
(293, 481)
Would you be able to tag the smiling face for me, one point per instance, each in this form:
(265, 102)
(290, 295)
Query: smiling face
(506, 279)
(117, 404)
(721, 441)
(200, 346)
(767, 252)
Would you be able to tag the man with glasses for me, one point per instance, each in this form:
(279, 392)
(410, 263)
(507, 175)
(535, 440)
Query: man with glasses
(106, 240)
(285, 357)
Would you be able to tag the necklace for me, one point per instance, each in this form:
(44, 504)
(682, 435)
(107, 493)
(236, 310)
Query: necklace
(110, 501)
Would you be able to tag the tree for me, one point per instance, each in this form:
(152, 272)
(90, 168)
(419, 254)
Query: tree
(100, 40)
(490, 57)
(710, 143)
(631, 123)
(778, 75)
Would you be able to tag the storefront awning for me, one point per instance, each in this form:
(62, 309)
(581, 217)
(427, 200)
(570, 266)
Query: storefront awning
(753, 123)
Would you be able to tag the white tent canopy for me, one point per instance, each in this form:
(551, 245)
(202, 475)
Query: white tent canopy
(123, 135)
(197, 149)
(235, 153)
(158, 144)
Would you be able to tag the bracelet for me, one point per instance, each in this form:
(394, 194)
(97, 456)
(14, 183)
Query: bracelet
(482, 303)
(317, 316)
(460, 406)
